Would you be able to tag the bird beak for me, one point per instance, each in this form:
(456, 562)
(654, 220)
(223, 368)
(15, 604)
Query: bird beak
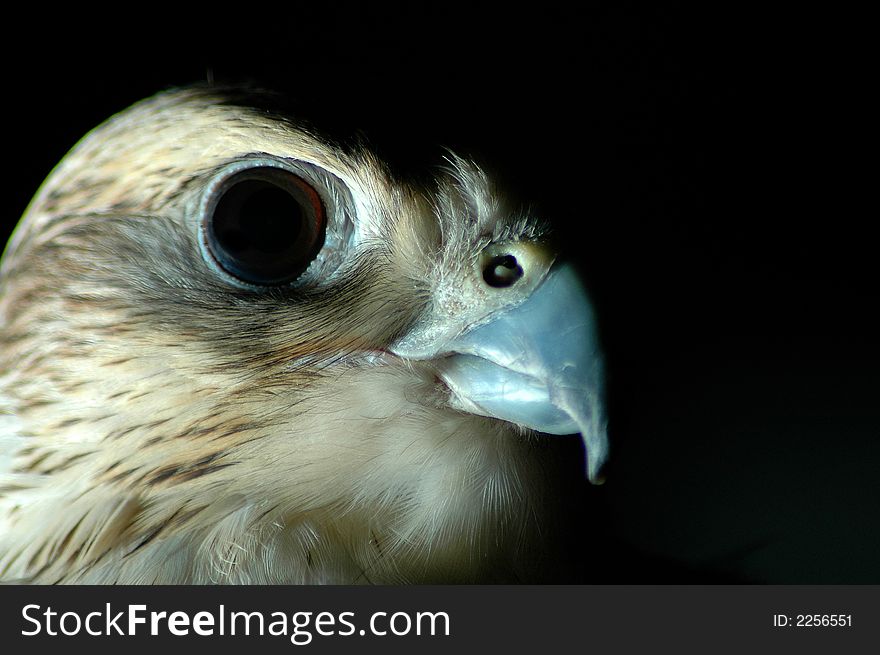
(537, 365)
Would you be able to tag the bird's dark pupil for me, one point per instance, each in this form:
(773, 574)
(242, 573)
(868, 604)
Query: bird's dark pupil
(502, 271)
(233, 240)
(270, 220)
(259, 231)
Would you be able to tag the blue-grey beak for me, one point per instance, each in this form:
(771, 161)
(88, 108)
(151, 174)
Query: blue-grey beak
(538, 365)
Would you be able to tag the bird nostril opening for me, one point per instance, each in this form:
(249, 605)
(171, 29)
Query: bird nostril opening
(502, 271)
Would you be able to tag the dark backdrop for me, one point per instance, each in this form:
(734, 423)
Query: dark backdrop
(703, 168)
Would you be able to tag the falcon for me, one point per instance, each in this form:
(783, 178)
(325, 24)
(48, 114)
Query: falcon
(233, 351)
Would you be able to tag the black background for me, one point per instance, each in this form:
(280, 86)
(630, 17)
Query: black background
(705, 169)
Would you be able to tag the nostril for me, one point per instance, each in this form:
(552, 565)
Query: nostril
(502, 271)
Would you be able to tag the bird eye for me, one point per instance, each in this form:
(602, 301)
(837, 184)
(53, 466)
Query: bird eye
(264, 225)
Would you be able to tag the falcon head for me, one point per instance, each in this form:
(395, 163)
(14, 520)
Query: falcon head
(233, 351)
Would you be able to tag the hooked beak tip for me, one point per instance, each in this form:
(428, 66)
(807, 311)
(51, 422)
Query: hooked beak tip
(595, 441)
(597, 476)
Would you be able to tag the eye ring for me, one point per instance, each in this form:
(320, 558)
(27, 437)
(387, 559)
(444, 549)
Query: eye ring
(263, 225)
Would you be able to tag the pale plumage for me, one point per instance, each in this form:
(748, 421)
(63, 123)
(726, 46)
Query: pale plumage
(163, 423)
